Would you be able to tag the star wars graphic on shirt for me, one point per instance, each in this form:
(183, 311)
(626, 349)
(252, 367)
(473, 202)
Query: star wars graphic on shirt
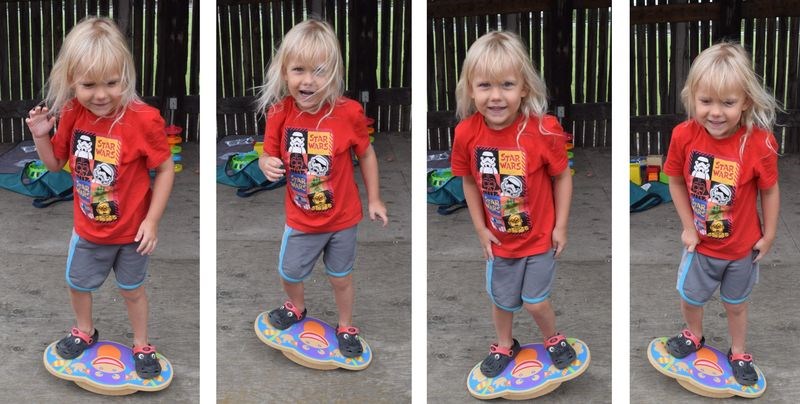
(712, 193)
(503, 188)
(95, 162)
(310, 168)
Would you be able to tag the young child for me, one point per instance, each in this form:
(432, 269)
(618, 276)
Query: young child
(719, 161)
(110, 139)
(518, 188)
(311, 129)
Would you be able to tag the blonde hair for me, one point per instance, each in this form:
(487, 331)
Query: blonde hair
(725, 67)
(310, 42)
(93, 49)
(494, 55)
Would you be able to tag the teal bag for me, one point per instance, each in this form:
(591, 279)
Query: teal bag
(642, 199)
(23, 174)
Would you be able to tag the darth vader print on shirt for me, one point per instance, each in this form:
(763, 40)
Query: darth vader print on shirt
(712, 193)
(94, 167)
(310, 167)
(503, 188)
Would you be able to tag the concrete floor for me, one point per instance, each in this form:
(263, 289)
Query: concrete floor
(34, 299)
(773, 336)
(460, 327)
(249, 233)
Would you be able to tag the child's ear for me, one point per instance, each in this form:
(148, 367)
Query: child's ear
(747, 104)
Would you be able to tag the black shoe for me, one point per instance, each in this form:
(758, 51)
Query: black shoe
(684, 344)
(498, 359)
(560, 351)
(349, 342)
(743, 369)
(73, 345)
(286, 316)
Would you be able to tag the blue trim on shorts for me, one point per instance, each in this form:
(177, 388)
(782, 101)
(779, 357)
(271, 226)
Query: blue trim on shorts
(734, 301)
(489, 269)
(338, 274)
(286, 233)
(73, 242)
(536, 300)
(687, 260)
(127, 287)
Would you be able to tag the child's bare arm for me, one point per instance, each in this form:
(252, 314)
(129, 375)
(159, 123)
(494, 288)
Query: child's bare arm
(562, 193)
(147, 236)
(770, 205)
(475, 206)
(680, 198)
(368, 162)
(40, 125)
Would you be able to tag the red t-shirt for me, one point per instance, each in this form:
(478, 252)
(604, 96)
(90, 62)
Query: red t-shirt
(722, 186)
(110, 165)
(321, 191)
(514, 180)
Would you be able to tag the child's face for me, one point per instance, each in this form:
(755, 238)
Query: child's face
(498, 99)
(100, 95)
(720, 114)
(304, 80)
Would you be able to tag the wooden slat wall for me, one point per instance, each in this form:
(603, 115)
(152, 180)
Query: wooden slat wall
(665, 38)
(456, 24)
(28, 50)
(250, 31)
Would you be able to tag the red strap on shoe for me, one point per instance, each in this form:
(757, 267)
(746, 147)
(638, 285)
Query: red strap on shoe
(145, 349)
(741, 357)
(349, 330)
(291, 307)
(82, 335)
(498, 349)
(691, 337)
(554, 340)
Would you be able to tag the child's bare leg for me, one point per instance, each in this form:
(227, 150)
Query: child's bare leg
(737, 325)
(503, 322)
(693, 315)
(544, 316)
(136, 302)
(344, 294)
(296, 293)
(82, 306)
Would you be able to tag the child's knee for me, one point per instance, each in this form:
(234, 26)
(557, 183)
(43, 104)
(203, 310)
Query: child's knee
(735, 309)
(341, 283)
(133, 295)
(540, 308)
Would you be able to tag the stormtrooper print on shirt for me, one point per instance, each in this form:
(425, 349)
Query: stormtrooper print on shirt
(310, 167)
(503, 188)
(95, 162)
(712, 193)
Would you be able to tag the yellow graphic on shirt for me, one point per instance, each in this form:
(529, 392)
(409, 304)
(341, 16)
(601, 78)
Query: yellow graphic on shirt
(320, 143)
(725, 172)
(511, 162)
(107, 150)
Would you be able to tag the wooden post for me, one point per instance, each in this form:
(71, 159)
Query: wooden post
(681, 62)
(173, 46)
(364, 52)
(729, 22)
(560, 61)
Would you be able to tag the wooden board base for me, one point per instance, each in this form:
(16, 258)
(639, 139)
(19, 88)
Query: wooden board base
(310, 343)
(106, 368)
(705, 372)
(531, 374)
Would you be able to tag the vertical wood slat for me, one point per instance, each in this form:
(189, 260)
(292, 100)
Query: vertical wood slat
(5, 88)
(793, 81)
(579, 80)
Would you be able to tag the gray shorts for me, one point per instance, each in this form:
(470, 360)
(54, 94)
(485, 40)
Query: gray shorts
(513, 281)
(700, 275)
(88, 264)
(300, 252)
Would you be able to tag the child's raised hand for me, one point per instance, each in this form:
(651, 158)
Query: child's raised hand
(559, 241)
(147, 237)
(487, 238)
(763, 245)
(378, 210)
(271, 166)
(39, 123)
(690, 239)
